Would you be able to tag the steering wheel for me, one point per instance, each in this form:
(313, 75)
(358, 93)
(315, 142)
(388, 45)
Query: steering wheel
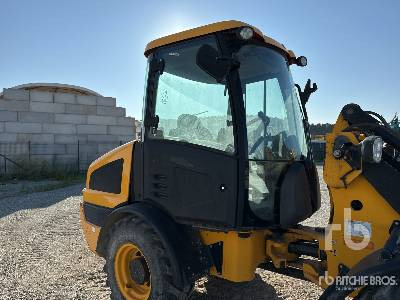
(262, 117)
(265, 120)
(259, 141)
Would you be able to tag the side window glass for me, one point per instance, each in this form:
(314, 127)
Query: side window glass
(191, 106)
(108, 177)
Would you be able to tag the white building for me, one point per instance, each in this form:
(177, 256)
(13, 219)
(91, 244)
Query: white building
(46, 122)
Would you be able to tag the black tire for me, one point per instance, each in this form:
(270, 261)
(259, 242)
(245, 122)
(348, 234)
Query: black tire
(379, 293)
(138, 232)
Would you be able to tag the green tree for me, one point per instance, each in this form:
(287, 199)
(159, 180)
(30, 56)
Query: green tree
(320, 129)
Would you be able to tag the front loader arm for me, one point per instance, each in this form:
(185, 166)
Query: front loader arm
(363, 194)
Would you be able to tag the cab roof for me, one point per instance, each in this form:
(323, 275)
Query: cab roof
(211, 28)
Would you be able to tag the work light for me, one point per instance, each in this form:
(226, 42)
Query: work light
(301, 61)
(372, 148)
(246, 33)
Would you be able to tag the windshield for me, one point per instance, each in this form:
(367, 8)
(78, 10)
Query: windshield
(274, 119)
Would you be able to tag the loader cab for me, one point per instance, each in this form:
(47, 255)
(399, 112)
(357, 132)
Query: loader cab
(224, 142)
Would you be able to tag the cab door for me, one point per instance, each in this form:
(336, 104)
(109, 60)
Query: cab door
(190, 162)
(194, 184)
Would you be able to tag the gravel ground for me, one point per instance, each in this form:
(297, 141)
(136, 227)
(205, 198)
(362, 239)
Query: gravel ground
(43, 255)
(16, 187)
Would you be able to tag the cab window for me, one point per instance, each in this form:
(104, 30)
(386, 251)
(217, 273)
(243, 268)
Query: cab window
(192, 107)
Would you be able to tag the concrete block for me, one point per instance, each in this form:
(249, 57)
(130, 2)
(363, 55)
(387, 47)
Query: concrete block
(59, 128)
(14, 149)
(8, 137)
(92, 129)
(46, 159)
(88, 148)
(111, 111)
(39, 138)
(83, 166)
(70, 139)
(86, 100)
(92, 157)
(47, 107)
(83, 157)
(102, 138)
(126, 138)
(14, 94)
(120, 130)
(126, 121)
(104, 148)
(106, 101)
(35, 117)
(83, 138)
(80, 109)
(8, 116)
(39, 96)
(72, 149)
(66, 160)
(102, 120)
(48, 149)
(64, 98)
(70, 118)
(20, 127)
(83, 148)
(14, 105)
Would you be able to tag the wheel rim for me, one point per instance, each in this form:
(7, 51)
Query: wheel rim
(132, 273)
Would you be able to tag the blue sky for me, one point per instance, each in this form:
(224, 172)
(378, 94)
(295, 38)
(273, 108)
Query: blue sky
(353, 47)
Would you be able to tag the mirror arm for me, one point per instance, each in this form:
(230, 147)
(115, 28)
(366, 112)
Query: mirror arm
(307, 91)
(305, 94)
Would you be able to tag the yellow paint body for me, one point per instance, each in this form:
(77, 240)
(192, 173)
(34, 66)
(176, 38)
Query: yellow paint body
(343, 188)
(123, 258)
(241, 255)
(91, 232)
(108, 199)
(209, 29)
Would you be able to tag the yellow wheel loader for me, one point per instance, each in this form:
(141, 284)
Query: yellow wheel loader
(223, 175)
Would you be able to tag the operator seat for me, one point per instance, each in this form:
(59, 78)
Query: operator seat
(190, 127)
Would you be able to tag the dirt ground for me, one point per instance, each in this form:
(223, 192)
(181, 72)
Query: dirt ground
(43, 255)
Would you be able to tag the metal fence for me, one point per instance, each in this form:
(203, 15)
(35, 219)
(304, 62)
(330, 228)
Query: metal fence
(15, 157)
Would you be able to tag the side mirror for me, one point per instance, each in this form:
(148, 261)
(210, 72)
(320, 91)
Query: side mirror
(209, 61)
(371, 149)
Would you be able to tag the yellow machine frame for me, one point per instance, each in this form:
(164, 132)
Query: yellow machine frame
(244, 251)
